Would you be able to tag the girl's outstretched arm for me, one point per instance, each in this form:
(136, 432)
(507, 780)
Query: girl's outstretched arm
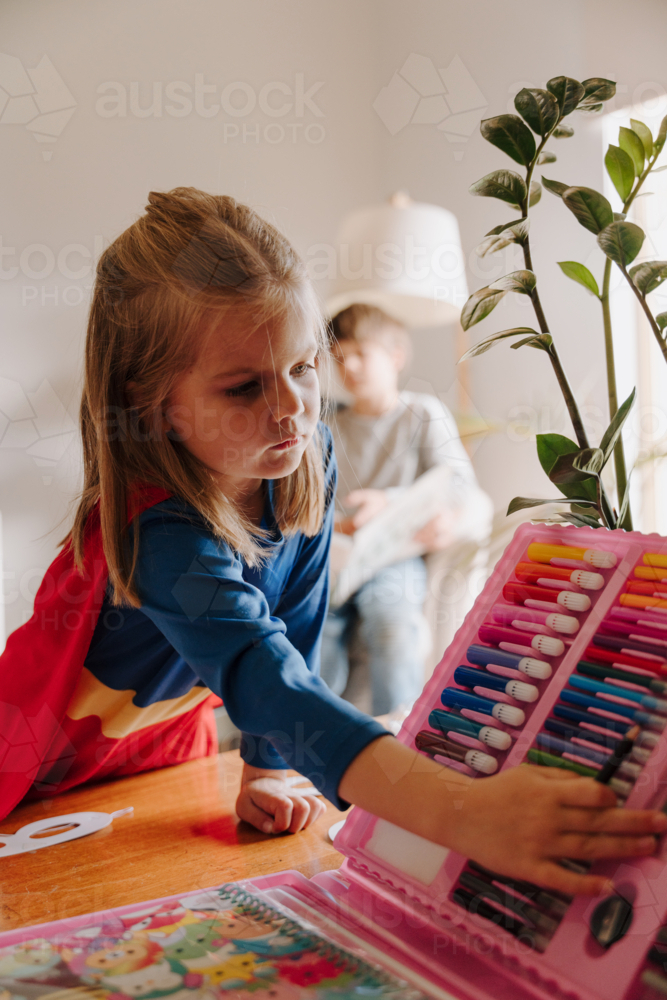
(517, 823)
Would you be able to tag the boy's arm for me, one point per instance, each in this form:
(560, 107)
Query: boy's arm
(517, 823)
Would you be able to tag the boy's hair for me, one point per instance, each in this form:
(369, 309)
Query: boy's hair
(361, 322)
(160, 289)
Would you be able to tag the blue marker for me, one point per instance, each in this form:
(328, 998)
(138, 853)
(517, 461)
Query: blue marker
(644, 718)
(587, 718)
(454, 698)
(450, 722)
(471, 678)
(645, 700)
(547, 742)
(577, 733)
(482, 656)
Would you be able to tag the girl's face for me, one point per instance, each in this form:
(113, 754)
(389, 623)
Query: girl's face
(249, 406)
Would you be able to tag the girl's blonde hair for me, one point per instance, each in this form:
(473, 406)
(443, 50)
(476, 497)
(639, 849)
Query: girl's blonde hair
(160, 286)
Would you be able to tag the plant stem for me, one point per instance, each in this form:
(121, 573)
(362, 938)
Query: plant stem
(662, 344)
(619, 453)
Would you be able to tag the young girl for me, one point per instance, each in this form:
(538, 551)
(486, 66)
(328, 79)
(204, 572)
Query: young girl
(196, 569)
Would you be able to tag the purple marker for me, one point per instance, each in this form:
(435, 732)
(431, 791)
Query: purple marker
(490, 657)
(462, 700)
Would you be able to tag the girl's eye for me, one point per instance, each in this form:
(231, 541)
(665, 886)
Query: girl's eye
(241, 390)
(303, 369)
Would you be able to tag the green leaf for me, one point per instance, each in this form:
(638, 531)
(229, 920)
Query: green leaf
(509, 133)
(550, 447)
(539, 108)
(591, 109)
(542, 342)
(589, 460)
(648, 276)
(503, 184)
(625, 501)
(596, 90)
(633, 146)
(657, 170)
(590, 207)
(523, 503)
(516, 233)
(546, 156)
(568, 93)
(580, 520)
(565, 472)
(563, 132)
(661, 136)
(505, 225)
(613, 432)
(661, 320)
(621, 241)
(489, 342)
(620, 216)
(644, 133)
(555, 187)
(522, 282)
(535, 193)
(479, 305)
(621, 170)
(580, 273)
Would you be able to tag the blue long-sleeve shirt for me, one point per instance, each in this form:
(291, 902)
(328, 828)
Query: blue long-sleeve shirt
(249, 634)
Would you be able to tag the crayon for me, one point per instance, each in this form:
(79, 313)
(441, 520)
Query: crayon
(655, 559)
(436, 745)
(451, 722)
(610, 691)
(524, 618)
(488, 656)
(617, 759)
(642, 601)
(507, 637)
(625, 711)
(463, 701)
(649, 681)
(475, 679)
(535, 573)
(592, 557)
(631, 646)
(622, 660)
(534, 597)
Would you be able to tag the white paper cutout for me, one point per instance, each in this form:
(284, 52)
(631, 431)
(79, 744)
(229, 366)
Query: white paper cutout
(67, 827)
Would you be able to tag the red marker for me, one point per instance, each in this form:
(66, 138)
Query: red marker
(549, 576)
(523, 643)
(599, 655)
(534, 597)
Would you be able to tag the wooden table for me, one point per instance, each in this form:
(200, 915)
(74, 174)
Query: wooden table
(184, 835)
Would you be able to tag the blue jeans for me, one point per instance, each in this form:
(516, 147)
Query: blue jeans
(388, 614)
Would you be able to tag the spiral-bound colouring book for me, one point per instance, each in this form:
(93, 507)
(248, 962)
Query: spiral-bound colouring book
(219, 943)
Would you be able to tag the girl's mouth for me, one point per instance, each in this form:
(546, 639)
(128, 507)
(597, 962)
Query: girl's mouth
(284, 445)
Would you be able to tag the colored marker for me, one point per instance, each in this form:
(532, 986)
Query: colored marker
(436, 745)
(555, 902)
(642, 601)
(654, 619)
(629, 646)
(570, 751)
(512, 641)
(592, 557)
(522, 618)
(533, 597)
(614, 693)
(590, 720)
(625, 676)
(535, 573)
(645, 633)
(625, 711)
(608, 742)
(624, 659)
(654, 559)
(489, 657)
(655, 980)
(481, 679)
(484, 887)
(650, 573)
(473, 904)
(450, 722)
(642, 587)
(509, 714)
(536, 756)
(617, 759)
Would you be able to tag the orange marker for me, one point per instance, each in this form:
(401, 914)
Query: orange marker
(650, 573)
(642, 601)
(593, 557)
(655, 559)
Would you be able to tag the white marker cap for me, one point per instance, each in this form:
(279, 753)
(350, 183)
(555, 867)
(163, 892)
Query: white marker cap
(483, 762)
(588, 581)
(600, 559)
(573, 602)
(521, 691)
(539, 669)
(495, 738)
(548, 645)
(508, 714)
(563, 623)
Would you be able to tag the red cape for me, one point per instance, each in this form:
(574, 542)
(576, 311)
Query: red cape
(43, 751)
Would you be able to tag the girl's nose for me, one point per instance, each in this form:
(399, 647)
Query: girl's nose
(284, 402)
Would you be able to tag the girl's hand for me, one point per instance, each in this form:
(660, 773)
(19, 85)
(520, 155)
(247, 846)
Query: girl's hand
(270, 804)
(437, 534)
(523, 820)
(368, 504)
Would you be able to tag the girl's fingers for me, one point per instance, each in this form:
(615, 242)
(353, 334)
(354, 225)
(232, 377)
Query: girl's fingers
(278, 806)
(587, 793)
(250, 813)
(300, 814)
(551, 876)
(585, 847)
(635, 821)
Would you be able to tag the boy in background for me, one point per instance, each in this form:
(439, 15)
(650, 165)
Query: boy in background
(384, 440)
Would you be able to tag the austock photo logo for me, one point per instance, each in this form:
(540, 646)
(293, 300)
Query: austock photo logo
(34, 422)
(36, 98)
(420, 94)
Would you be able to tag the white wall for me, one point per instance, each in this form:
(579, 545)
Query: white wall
(100, 169)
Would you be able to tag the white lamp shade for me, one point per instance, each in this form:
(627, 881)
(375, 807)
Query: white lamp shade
(404, 257)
